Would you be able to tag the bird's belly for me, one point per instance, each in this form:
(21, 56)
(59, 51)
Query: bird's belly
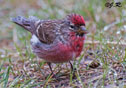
(56, 58)
(57, 54)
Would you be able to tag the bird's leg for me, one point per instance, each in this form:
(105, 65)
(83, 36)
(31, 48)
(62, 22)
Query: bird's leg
(72, 69)
(71, 66)
(49, 64)
(52, 73)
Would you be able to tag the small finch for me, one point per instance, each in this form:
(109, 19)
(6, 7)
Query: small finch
(55, 41)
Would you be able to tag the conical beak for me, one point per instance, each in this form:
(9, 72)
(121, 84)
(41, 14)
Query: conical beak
(83, 30)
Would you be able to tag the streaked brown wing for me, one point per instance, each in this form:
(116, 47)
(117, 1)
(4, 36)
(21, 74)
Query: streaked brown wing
(45, 31)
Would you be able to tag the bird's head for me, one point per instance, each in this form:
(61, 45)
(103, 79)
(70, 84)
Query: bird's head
(77, 24)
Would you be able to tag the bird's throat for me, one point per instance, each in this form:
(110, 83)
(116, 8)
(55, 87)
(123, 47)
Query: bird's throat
(77, 43)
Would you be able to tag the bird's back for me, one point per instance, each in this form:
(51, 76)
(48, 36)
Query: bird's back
(45, 30)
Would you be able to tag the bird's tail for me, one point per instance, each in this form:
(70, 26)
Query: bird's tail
(26, 23)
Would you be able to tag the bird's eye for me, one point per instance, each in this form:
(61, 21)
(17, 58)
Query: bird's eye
(72, 26)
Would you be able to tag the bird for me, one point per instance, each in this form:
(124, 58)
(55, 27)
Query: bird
(55, 40)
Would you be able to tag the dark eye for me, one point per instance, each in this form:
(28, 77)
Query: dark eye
(72, 26)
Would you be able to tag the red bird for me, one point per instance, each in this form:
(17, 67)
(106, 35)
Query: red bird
(55, 41)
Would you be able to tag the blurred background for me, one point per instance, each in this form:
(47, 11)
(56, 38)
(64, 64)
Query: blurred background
(105, 21)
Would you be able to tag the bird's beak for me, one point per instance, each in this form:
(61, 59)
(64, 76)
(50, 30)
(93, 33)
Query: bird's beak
(83, 30)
